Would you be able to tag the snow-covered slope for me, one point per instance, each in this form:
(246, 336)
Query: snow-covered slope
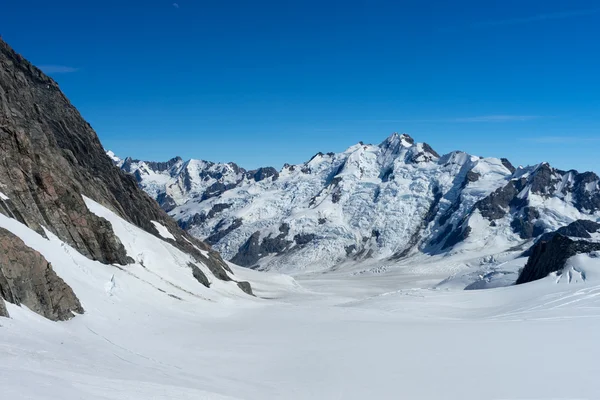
(159, 271)
(386, 201)
(337, 336)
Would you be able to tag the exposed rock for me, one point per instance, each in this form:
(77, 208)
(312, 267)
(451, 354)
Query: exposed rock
(497, 205)
(249, 252)
(456, 236)
(302, 239)
(585, 199)
(508, 165)
(543, 181)
(3, 310)
(263, 173)
(246, 288)
(27, 278)
(472, 177)
(524, 223)
(429, 150)
(580, 229)
(550, 256)
(164, 166)
(220, 233)
(199, 275)
(577, 229)
(166, 202)
(51, 157)
(217, 189)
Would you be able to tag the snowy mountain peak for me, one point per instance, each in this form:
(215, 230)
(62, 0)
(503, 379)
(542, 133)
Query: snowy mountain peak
(396, 140)
(113, 157)
(387, 201)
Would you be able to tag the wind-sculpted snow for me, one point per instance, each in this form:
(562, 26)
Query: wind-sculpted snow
(386, 201)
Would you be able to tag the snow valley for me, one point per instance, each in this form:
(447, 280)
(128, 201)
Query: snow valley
(353, 275)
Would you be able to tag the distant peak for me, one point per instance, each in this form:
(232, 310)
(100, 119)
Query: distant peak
(395, 141)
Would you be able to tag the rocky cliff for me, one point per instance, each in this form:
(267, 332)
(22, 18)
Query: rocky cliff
(51, 157)
(552, 250)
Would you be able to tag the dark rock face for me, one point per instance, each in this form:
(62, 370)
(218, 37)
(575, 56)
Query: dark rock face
(524, 223)
(27, 278)
(251, 251)
(429, 150)
(543, 180)
(508, 165)
(3, 310)
(164, 166)
(166, 202)
(302, 239)
(51, 157)
(199, 275)
(580, 229)
(245, 287)
(577, 229)
(456, 236)
(550, 256)
(497, 204)
(263, 173)
(199, 219)
(220, 233)
(472, 177)
(217, 189)
(584, 199)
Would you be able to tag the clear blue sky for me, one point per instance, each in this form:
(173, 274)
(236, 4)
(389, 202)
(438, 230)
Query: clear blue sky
(268, 82)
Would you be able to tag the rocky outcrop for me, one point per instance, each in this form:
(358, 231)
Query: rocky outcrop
(3, 310)
(262, 174)
(550, 256)
(27, 278)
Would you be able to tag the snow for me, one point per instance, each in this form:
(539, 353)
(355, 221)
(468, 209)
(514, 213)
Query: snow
(162, 230)
(113, 157)
(381, 331)
(368, 202)
(3, 197)
(384, 335)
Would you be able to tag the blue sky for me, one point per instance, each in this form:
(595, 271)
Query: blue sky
(268, 82)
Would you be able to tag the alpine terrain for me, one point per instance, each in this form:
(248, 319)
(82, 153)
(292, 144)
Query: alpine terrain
(388, 202)
(127, 280)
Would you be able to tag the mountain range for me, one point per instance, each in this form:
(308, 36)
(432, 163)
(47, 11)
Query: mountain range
(387, 202)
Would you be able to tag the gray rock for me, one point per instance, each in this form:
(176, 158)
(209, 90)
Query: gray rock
(550, 256)
(263, 173)
(524, 223)
(584, 199)
(27, 278)
(251, 251)
(3, 310)
(248, 253)
(52, 156)
(508, 165)
(220, 231)
(497, 205)
(199, 275)
(246, 288)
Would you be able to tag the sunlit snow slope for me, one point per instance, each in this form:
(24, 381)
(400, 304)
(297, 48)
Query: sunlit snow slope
(382, 335)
